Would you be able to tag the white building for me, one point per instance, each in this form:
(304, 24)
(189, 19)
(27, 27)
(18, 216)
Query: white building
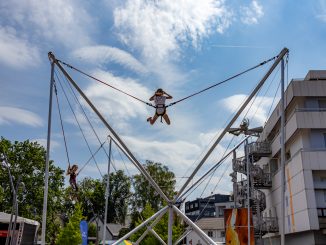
(112, 230)
(213, 227)
(305, 167)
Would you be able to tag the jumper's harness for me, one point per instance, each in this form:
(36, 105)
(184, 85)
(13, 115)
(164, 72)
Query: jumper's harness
(160, 110)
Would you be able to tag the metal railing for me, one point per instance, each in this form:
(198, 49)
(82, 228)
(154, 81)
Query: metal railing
(259, 148)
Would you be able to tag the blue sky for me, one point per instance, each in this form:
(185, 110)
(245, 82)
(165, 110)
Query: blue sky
(138, 46)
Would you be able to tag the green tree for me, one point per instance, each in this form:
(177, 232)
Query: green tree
(27, 160)
(70, 234)
(92, 196)
(119, 195)
(145, 193)
(161, 228)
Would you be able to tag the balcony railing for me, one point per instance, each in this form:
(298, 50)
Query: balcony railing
(321, 212)
(269, 225)
(259, 149)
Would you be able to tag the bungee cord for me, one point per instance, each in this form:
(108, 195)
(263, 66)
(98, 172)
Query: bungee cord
(79, 126)
(175, 102)
(105, 83)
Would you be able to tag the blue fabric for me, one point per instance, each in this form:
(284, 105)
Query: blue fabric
(84, 231)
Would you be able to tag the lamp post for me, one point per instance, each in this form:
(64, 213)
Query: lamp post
(5, 164)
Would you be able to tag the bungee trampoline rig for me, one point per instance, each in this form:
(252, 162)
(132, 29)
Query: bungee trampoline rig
(172, 206)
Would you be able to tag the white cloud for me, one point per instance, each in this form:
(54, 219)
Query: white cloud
(117, 107)
(101, 54)
(321, 17)
(177, 155)
(252, 13)
(43, 142)
(158, 29)
(321, 9)
(57, 21)
(16, 115)
(258, 111)
(17, 51)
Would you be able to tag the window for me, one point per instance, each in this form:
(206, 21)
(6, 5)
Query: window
(196, 205)
(210, 233)
(273, 165)
(221, 211)
(191, 205)
(320, 212)
(222, 233)
(325, 195)
(322, 104)
(324, 134)
(288, 155)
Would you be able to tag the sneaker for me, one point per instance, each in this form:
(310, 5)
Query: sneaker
(148, 119)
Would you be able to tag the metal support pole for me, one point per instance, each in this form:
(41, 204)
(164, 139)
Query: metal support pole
(13, 230)
(157, 237)
(158, 218)
(248, 187)
(5, 164)
(170, 225)
(46, 178)
(212, 168)
(282, 156)
(194, 226)
(116, 136)
(183, 236)
(107, 193)
(280, 57)
(163, 210)
(235, 186)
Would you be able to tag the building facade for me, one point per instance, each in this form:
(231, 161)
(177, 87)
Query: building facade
(305, 166)
(207, 207)
(213, 227)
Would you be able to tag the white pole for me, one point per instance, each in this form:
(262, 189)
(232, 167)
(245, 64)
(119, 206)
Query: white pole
(170, 225)
(282, 156)
(248, 188)
(212, 168)
(46, 178)
(107, 189)
(183, 236)
(163, 210)
(115, 135)
(243, 106)
(157, 236)
(194, 226)
(158, 218)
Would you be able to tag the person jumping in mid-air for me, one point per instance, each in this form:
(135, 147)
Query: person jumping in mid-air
(159, 99)
(72, 171)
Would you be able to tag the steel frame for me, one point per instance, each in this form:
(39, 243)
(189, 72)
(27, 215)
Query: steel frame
(115, 137)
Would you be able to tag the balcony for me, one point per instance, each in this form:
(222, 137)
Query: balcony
(258, 150)
(269, 225)
(301, 118)
(265, 182)
(239, 165)
(322, 217)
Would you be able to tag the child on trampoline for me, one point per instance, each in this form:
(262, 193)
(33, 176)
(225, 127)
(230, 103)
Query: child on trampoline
(72, 171)
(159, 99)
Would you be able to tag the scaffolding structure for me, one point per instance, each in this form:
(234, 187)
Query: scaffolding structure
(172, 206)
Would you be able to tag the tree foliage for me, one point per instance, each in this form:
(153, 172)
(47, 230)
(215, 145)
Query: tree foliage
(119, 195)
(145, 193)
(161, 228)
(92, 196)
(70, 234)
(27, 160)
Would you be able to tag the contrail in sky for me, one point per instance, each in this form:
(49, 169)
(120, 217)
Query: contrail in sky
(236, 46)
